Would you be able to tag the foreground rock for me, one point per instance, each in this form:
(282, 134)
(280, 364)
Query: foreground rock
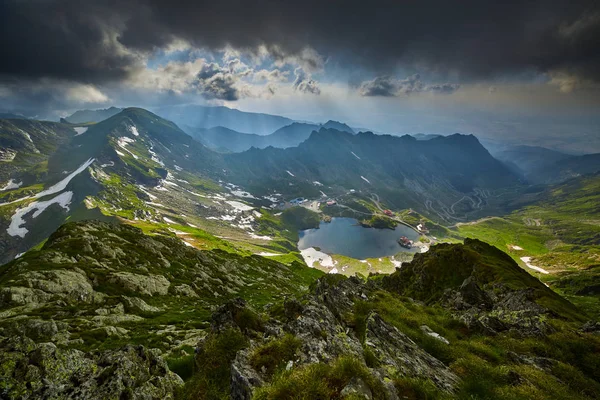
(36, 371)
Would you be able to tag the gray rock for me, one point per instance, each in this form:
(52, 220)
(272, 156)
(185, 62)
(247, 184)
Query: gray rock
(147, 285)
(357, 389)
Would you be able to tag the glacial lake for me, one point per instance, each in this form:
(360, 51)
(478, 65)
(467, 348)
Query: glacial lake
(346, 237)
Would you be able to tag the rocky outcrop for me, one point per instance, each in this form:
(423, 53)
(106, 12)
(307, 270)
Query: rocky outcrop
(147, 285)
(483, 287)
(322, 324)
(31, 370)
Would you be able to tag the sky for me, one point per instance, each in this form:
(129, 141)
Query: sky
(513, 71)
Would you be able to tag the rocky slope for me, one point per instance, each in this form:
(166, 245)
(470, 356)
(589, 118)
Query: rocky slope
(67, 310)
(351, 338)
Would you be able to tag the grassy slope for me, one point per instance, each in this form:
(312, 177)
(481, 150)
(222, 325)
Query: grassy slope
(561, 233)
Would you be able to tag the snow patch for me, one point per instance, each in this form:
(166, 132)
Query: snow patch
(11, 185)
(169, 221)
(355, 155)
(239, 207)
(16, 229)
(266, 254)
(242, 193)
(254, 236)
(134, 130)
(312, 255)
(178, 168)
(80, 130)
(364, 179)
(290, 173)
(527, 261)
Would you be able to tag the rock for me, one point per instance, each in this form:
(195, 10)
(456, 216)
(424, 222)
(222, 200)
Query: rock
(42, 286)
(591, 327)
(45, 371)
(243, 378)
(357, 389)
(184, 290)
(137, 305)
(147, 285)
(427, 330)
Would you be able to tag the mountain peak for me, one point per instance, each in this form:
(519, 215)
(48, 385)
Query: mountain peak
(340, 126)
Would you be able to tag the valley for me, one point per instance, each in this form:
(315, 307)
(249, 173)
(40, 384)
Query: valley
(129, 232)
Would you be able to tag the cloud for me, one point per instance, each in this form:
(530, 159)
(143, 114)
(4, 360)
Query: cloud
(387, 86)
(105, 40)
(304, 82)
(86, 94)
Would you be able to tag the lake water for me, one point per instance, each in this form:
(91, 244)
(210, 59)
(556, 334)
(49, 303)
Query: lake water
(344, 236)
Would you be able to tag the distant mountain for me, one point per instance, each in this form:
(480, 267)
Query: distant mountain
(561, 170)
(541, 165)
(9, 115)
(196, 116)
(425, 136)
(340, 126)
(226, 140)
(441, 175)
(82, 116)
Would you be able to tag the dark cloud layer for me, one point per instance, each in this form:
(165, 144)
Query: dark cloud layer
(95, 41)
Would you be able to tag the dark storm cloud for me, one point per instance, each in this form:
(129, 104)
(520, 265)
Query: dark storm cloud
(469, 40)
(387, 86)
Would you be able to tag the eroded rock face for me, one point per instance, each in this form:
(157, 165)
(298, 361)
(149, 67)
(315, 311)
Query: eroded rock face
(31, 370)
(326, 333)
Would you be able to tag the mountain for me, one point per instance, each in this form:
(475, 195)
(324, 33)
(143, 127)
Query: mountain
(339, 126)
(425, 136)
(83, 116)
(9, 115)
(90, 308)
(227, 140)
(564, 169)
(195, 116)
(444, 176)
(104, 311)
(75, 174)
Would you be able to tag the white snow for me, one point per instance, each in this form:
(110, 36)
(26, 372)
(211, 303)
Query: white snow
(396, 263)
(241, 193)
(257, 214)
(19, 255)
(63, 184)
(192, 225)
(364, 179)
(317, 183)
(152, 197)
(239, 207)
(333, 271)
(312, 255)
(11, 185)
(512, 246)
(178, 168)
(355, 155)
(266, 254)
(80, 130)
(123, 141)
(155, 158)
(16, 229)
(290, 173)
(169, 221)
(134, 130)
(187, 244)
(119, 153)
(254, 236)
(228, 217)
(527, 260)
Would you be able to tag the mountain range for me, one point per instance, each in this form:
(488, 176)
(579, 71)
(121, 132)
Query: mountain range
(145, 262)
